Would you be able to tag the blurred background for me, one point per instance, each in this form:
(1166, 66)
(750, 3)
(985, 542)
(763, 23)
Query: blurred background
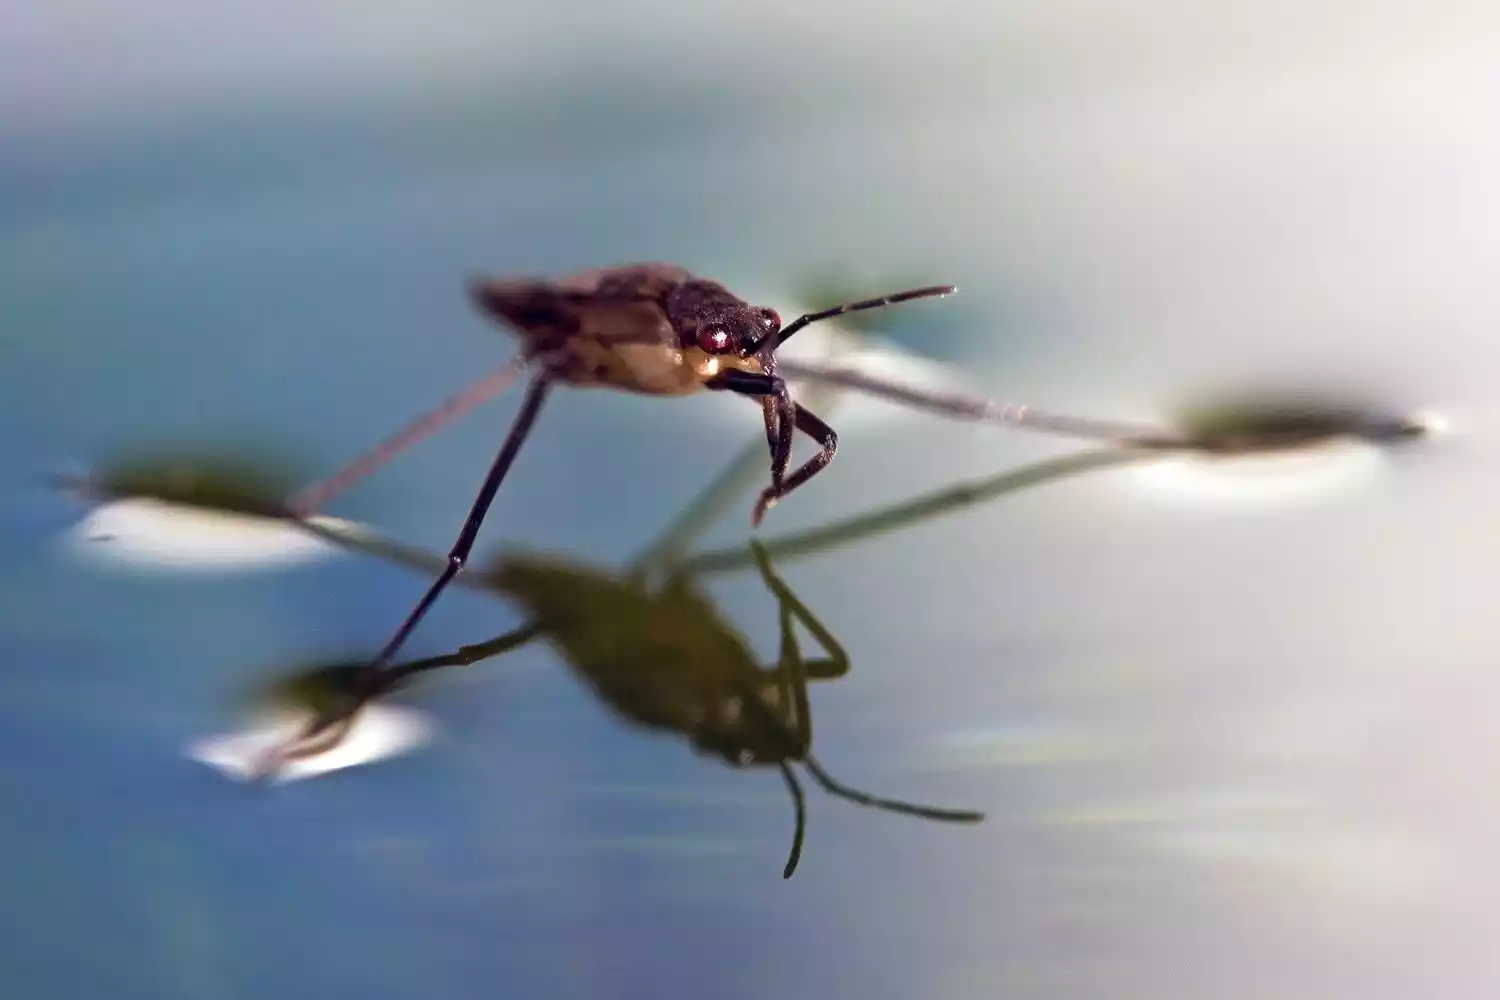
(1225, 751)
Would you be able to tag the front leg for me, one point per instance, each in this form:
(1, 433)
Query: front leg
(772, 387)
(780, 419)
(770, 408)
(812, 425)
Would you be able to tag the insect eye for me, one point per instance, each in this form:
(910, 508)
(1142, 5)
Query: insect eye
(769, 319)
(714, 339)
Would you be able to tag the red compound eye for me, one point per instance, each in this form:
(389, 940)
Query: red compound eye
(714, 339)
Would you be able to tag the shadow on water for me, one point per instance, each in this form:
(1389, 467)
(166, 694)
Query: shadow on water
(646, 640)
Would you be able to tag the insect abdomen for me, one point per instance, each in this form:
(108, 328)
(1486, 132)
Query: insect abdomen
(649, 369)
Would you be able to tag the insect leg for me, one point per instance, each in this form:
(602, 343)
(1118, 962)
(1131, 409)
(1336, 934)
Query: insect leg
(771, 412)
(311, 498)
(781, 447)
(813, 426)
(536, 395)
(367, 680)
(781, 420)
(800, 808)
(989, 411)
(843, 791)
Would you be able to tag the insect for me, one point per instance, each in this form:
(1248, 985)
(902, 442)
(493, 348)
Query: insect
(655, 329)
(658, 330)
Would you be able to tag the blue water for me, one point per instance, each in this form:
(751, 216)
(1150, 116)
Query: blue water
(295, 282)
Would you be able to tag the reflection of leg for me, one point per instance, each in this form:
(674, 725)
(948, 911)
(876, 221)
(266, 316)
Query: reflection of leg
(837, 663)
(900, 516)
(800, 808)
(791, 701)
(890, 805)
(466, 656)
(790, 674)
(536, 395)
(791, 607)
(324, 733)
(791, 686)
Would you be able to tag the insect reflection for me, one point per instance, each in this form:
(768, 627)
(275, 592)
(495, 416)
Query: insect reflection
(662, 657)
(669, 661)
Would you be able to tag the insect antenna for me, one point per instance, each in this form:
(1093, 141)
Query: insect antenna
(843, 791)
(782, 335)
(800, 808)
(309, 499)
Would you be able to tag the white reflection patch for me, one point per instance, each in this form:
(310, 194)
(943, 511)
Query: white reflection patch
(1254, 480)
(1368, 865)
(145, 533)
(1306, 730)
(1255, 833)
(1021, 746)
(379, 732)
(1185, 809)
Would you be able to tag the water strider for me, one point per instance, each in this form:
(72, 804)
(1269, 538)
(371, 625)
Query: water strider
(656, 329)
(611, 314)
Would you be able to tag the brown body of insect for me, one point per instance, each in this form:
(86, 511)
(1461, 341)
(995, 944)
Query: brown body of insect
(659, 330)
(644, 328)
